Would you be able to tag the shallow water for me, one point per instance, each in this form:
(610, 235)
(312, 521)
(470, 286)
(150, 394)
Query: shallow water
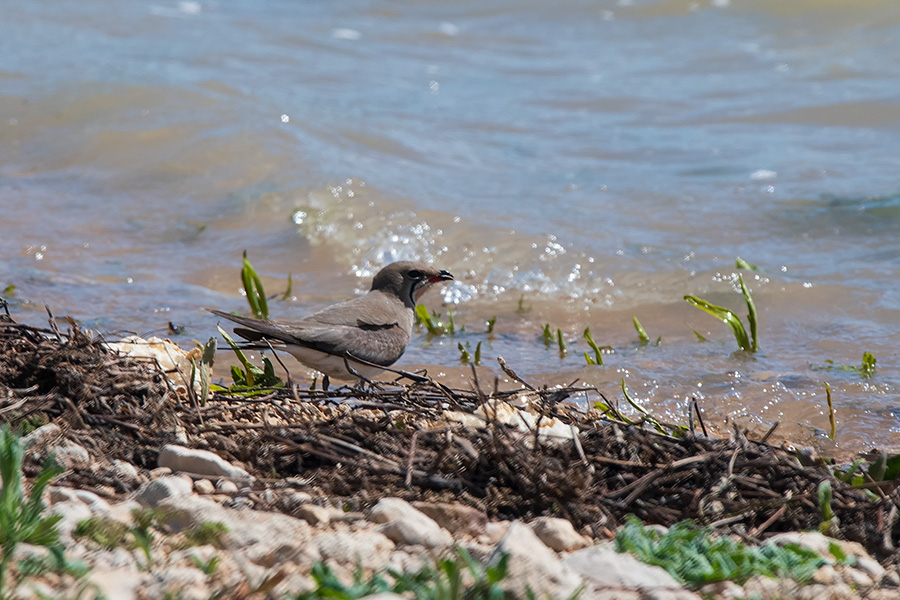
(592, 160)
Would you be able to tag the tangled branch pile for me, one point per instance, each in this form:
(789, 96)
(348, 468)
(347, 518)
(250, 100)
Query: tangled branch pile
(427, 441)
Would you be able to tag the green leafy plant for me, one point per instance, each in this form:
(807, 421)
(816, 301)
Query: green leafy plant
(745, 341)
(208, 567)
(256, 296)
(597, 359)
(432, 321)
(22, 518)
(329, 586)
(694, 556)
(455, 578)
(830, 522)
(561, 343)
(490, 325)
(251, 376)
(547, 335)
(208, 532)
(642, 334)
(866, 369)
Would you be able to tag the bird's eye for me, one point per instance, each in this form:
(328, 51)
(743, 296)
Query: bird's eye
(415, 274)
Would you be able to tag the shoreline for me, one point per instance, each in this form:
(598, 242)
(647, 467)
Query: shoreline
(488, 470)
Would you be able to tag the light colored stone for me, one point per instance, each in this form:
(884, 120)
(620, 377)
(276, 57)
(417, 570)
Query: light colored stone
(826, 574)
(72, 513)
(198, 462)
(121, 584)
(495, 530)
(533, 565)
(185, 583)
(314, 515)
(99, 507)
(558, 534)
(264, 538)
(70, 455)
(605, 568)
(723, 590)
(204, 487)
(125, 471)
(816, 591)
(454, 517)
(292, 499)
(226, 486)
(384, 596)
(766, 588)
(155, 491)
(870, 567)
(121, 511)
(160, 472)
(369, 548)
(815, 541)
(856, 578)
(42, 436)
(891, 579)
(669, 594)
(403, 524)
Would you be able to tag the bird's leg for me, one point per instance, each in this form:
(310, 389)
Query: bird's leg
(353, 371)
(411, 376)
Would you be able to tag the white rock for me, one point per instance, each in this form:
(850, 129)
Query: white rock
(204, 486)
(454, 517)
(558, 534)
(42, 436)
(403, 524)
(226, 486)
(495, 530)
(121, 511)
(723, 590)
(121, 584)
(369, 548)
(198, 462)
(817, 591)
(185, 583)
(314, 515)
(73, 513)
(856, 578)
(602, 566)
(155, 491)
(815, 541)
(384, 596)
(870, 567)
(70, 455)
(125, 471)
(825, 574)
(533, 565)
(264, 538)
(99, 507)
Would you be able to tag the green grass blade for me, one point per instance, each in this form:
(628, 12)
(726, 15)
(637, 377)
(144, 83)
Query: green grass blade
(598, 357)
(868, 365)
(561, 342)
(752, 317)
(726, 316)
(256, 296)
(642, 333)
(478, 354)
(740, 263)
(248, 366)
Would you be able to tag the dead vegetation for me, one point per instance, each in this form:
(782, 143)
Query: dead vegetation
(398, 440)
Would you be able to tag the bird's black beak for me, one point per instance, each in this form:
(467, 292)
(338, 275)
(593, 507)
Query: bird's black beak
(442, 276)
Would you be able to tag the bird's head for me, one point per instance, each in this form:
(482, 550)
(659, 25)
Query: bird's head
(408, 280)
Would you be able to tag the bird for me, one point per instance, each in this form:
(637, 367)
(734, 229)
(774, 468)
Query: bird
(351, 341)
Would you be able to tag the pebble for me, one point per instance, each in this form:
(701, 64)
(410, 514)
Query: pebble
(198, 462)
(558, 534)
(226, 486)
(370, 549)
(314, 515)
(204, 487)
(532, 565)
(454, 517)
(403, 524)
(163, 488)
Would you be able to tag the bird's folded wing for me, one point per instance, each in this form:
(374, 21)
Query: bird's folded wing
(379, 343)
